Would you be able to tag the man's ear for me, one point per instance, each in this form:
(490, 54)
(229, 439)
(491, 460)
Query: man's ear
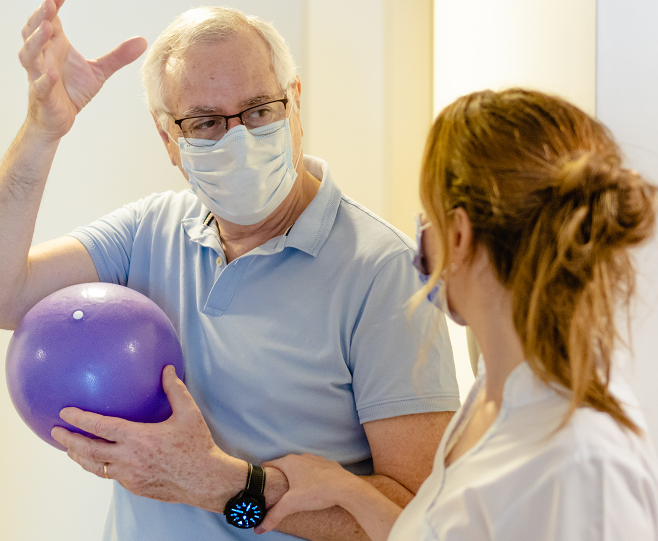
(166, 140)
(461, 237)
(296, 97)
(297, 92)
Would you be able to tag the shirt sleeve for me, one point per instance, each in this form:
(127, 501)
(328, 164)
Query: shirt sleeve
(401, 361)
(595, 498)
(110, 240)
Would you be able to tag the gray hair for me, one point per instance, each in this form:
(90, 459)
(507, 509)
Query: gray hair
(207, 24)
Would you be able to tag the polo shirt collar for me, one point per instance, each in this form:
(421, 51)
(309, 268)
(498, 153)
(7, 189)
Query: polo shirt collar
(202, 231)
(312, 228)
(310, 231)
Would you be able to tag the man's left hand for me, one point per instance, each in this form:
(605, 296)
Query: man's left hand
(175, 461)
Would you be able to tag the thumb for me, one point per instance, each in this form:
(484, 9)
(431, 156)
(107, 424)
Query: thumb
(179, 397)
(276, 514)
(129, 51)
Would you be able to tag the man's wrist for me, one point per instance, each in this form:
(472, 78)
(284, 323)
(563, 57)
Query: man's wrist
(36, 134)
(226, 476)
(229, 477)
(276, 485)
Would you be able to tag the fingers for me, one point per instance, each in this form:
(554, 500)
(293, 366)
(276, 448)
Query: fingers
(279, 463)
(45, 12)
(287, 505)
(179, 397)
(273, 517)
(91, 454)
(85, 451)
(108, 428)
(129, 51)
(30, 54)
(97, 467)
(291, 464)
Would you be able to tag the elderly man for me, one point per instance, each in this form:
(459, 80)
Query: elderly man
(288, 297)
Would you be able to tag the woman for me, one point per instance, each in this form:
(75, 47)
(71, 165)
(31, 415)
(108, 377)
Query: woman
(530, 216)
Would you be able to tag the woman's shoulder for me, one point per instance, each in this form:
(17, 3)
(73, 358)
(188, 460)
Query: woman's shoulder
(595, 437)
(592, 479)
(600, 481)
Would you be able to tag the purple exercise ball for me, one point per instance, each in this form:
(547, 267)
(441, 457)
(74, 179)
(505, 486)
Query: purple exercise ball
(98, 347)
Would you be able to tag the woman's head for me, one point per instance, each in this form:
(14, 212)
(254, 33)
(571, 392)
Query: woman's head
(547, 197)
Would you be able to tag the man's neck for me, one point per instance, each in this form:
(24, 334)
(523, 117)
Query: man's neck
(237, 239)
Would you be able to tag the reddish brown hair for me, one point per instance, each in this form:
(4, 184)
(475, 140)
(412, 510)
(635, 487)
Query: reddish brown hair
(546, 194)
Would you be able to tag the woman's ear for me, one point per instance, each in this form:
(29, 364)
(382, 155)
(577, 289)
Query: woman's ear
(460, 237)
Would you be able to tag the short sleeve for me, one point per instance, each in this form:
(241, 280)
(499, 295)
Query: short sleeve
(401, 362)
(110, 240)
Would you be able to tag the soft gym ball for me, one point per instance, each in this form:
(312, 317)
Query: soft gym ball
(98, 347)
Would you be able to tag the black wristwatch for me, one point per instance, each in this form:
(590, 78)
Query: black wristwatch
(247, 509)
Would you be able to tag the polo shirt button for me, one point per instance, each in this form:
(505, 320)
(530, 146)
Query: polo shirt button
(219, 261)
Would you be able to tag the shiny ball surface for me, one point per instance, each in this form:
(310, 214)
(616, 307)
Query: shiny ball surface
(98, 347)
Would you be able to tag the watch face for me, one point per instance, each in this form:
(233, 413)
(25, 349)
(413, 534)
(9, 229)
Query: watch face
(245, 513)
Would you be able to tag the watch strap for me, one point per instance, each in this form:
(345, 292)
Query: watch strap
(255, 482)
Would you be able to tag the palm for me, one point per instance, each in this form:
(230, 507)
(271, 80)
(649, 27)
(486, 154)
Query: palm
(78, 83)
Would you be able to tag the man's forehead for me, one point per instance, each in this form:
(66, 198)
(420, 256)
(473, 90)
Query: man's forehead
(239, 69)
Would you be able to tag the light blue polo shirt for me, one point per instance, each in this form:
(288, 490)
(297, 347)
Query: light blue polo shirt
(290, 347)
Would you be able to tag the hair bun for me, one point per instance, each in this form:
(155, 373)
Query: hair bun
(608, 205)
(587, 174)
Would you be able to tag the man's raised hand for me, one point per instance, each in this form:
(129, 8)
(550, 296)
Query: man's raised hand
(62, 82)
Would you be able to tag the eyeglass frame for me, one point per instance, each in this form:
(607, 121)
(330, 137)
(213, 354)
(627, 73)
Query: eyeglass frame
(225, 117)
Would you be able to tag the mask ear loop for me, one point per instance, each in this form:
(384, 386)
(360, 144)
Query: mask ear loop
(298, 157)
(173, 140)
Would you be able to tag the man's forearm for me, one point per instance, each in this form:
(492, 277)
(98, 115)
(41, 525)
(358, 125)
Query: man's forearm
(23, 174)
(335, 523)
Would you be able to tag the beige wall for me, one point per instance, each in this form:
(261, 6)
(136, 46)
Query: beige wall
(547, 45)
(408, 104)
(368, 101)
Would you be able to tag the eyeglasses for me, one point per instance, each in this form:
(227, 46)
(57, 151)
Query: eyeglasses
(201, 131)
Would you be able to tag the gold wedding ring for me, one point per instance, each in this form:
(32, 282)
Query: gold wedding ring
(105, 469)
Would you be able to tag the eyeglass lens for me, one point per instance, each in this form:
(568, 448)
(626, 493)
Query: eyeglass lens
(213, 128)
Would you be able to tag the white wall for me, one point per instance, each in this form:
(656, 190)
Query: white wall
(548, 45)
(626, 91)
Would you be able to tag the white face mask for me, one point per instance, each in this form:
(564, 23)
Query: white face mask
(245, 175)
(438, 295)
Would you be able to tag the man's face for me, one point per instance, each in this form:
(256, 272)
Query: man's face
(224, 78)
